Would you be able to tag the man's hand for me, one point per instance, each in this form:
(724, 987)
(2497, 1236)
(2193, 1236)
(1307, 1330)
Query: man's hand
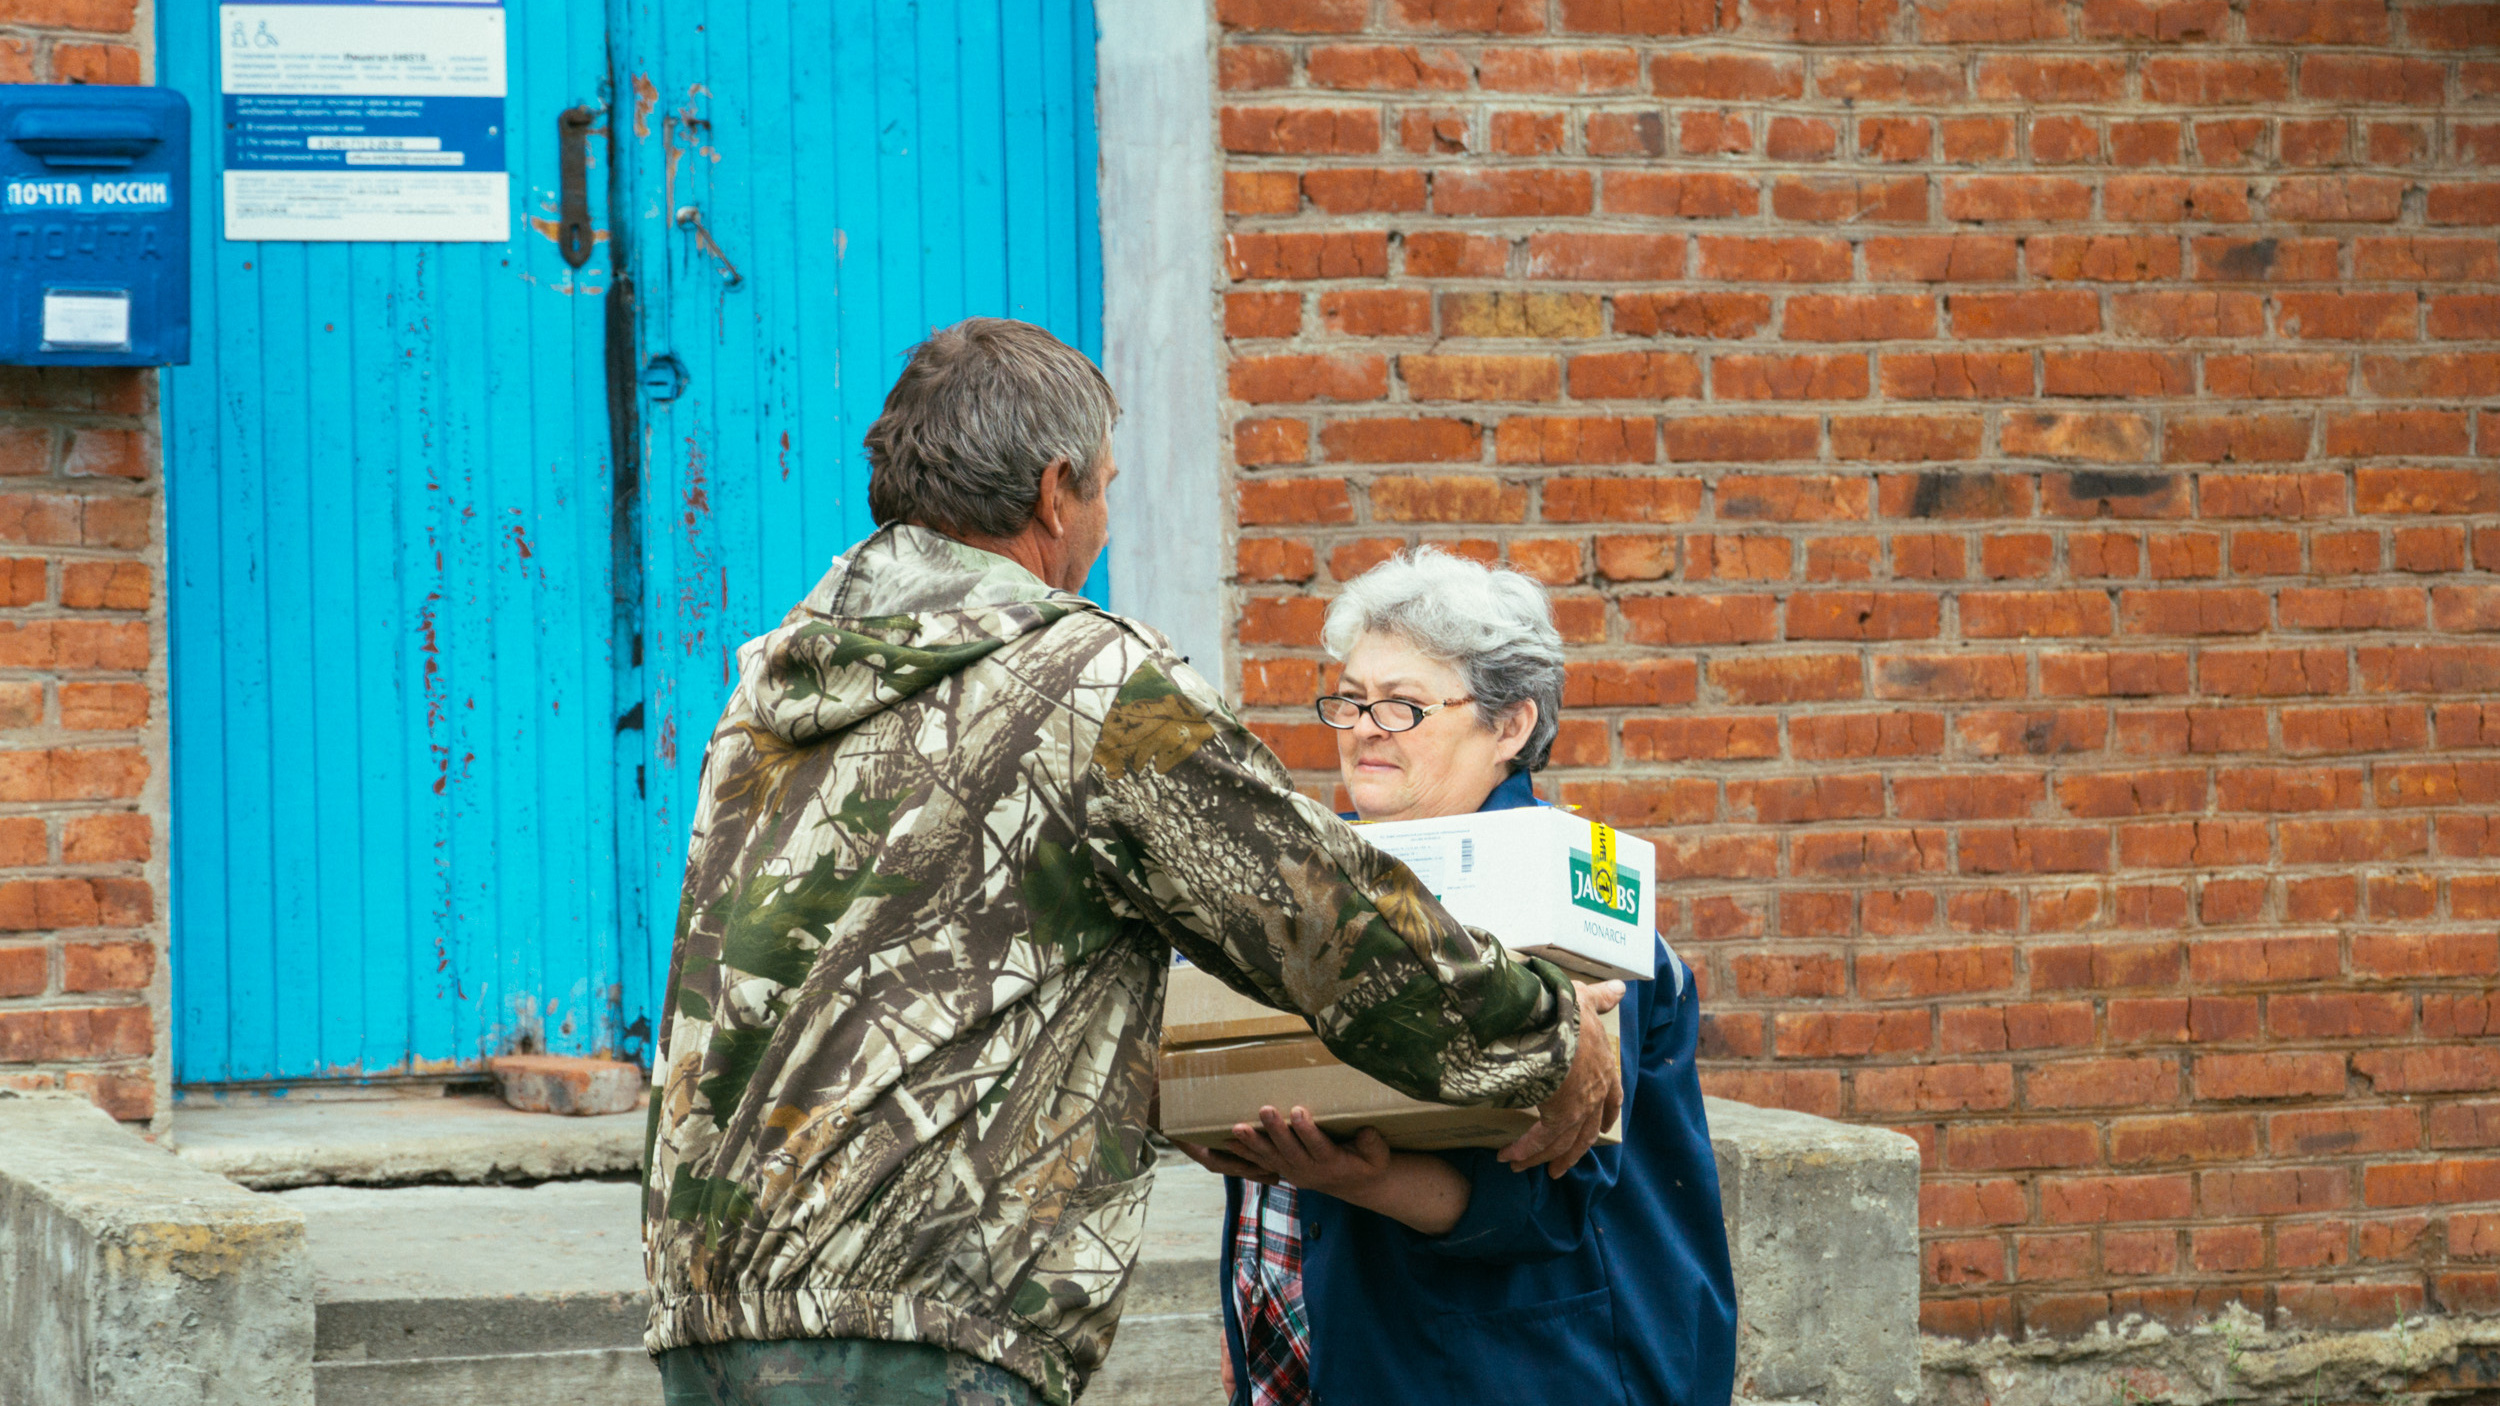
(1590, 1097)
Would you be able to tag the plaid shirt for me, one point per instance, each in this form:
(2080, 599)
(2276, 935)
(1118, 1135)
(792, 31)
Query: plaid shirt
(1267, 1295)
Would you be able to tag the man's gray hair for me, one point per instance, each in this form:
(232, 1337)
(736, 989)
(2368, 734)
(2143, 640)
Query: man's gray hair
(979, 411)
(1495, 627)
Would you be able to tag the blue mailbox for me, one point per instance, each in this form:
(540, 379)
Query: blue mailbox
(94, 197)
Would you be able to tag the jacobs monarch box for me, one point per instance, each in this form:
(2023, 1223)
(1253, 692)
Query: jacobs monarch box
(1543, 880)
(1225, 1056)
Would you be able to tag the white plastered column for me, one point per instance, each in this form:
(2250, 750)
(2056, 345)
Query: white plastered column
(1171, 519)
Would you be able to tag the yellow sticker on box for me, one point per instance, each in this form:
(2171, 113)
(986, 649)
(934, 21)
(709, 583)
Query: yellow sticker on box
(1602, 862)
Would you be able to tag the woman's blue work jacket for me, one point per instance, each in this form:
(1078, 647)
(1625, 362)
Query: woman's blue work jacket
(1608, 1286)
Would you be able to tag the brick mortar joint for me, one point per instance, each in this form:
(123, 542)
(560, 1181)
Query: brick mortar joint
(38, 33)
(1730, 42)
(38, 416)
(79, 486)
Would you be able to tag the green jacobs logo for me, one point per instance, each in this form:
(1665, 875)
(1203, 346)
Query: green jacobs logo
(1584, 893)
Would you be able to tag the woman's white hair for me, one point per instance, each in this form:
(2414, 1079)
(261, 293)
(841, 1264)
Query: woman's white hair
(1495, 627)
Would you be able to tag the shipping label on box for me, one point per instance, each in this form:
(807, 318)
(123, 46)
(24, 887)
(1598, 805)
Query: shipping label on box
(1543, 880)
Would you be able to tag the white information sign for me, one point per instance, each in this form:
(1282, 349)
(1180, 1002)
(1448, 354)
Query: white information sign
(76, 319)
(365, 120)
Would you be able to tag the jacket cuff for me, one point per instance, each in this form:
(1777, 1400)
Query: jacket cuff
(1500, 1202)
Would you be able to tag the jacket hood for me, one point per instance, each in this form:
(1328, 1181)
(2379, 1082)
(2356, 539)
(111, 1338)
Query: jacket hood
(900, 611)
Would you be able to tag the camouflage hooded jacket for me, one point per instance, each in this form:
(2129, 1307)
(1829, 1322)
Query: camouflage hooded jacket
(951, 826)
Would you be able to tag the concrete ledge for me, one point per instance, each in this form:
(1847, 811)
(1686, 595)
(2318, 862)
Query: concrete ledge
(589, 1377)
(127, 1276)
(1171, 1339)
(470, 1295)
(130, 1279)
(399, 1330)
(387, 1142)
(1822, 1222)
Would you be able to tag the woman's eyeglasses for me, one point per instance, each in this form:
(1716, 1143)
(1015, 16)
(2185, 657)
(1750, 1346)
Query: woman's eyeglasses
(1387, 714)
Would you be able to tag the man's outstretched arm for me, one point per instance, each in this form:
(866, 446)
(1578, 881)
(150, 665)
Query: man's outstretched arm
(1196, 821)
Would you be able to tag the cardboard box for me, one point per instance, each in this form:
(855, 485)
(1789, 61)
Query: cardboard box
(1200, 1010)
(1544, 881)
(1209, 1085)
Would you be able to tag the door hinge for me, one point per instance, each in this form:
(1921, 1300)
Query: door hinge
(573, 233)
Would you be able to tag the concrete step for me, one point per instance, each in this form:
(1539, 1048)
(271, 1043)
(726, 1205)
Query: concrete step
(483, 1295)
(269, 1143)
(1172, 1328)
(130, 1277)
(477, 1295)
(592, 1377)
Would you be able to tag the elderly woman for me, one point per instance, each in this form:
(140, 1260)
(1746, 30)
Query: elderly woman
(1357, 1274)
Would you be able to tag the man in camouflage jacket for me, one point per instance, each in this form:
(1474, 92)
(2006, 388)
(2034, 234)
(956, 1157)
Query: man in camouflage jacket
(952, 825)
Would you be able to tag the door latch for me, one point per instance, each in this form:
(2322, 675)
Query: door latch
(689, 217)
(573, 234)
(664, 378)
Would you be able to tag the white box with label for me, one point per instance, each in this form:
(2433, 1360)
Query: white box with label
(1543, 880)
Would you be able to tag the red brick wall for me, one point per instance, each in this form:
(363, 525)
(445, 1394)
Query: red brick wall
(72, 41)
(2019, 479)
(82, 989)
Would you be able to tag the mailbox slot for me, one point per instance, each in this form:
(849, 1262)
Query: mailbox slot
(71, 139)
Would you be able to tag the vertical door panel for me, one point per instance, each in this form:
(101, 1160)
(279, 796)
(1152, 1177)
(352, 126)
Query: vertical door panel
(442, 685)
(387, 480)
(872, 171)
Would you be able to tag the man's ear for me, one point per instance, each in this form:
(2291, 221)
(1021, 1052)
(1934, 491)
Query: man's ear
(1046, 503)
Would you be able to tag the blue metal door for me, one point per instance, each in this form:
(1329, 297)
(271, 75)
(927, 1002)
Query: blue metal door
(442, 664)
(813, 189)
(394, 701)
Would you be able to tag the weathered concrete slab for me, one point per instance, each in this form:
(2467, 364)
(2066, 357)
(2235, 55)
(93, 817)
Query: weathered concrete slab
(2232, 1359)
(453, 1295)
(470, 1138)
(1172, 1331)
(494, 1244)
(1822, 1222)
(128, 1278)
(613, 1377)
(465, 1295)
(462, 1296)
(470, 1295)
